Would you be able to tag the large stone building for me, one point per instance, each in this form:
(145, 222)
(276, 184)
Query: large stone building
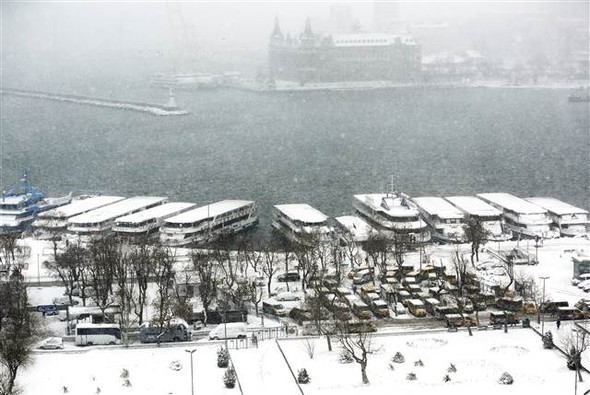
(311, 57)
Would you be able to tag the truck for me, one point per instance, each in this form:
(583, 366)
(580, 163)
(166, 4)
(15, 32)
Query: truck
(177, 331)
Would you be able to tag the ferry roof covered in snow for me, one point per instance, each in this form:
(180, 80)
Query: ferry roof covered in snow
(302, 212)
(158, 212)
(555, 206)
(437, 206)
(356, 226)
(116, 210)
(474, 206)
(394, 205)
(209, 211)
(80, 206)
(512, 203)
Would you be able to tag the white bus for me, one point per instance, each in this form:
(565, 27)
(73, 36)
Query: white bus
(92, 334)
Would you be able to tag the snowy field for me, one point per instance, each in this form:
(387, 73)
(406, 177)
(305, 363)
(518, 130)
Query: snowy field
(480, 360)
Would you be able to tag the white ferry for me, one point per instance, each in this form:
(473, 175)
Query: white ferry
(301, 222)
(57, 219)
(209, 222)
(355, 228)
(147, 221)
(445, 220)
(392, 213)
(568, 220)
(490, 217)
(102, 219)
(521, 217)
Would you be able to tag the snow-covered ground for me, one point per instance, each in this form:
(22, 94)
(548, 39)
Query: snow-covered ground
(480, 360)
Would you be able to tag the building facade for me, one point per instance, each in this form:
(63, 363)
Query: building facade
(311, 57)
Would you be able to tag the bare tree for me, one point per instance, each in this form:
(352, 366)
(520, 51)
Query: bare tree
(125, 294)
(255, 293)
(182, 307)
(11, 254)
(207, 271)
(269, 265)
(163, 271)
(68, 265)
(575, 344)
(105, 254)
(142, 264)
(377, 247)
(358, 345)
(476, 234)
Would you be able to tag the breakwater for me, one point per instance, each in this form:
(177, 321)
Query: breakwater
(150, 108)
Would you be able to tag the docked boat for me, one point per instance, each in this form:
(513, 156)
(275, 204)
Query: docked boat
(100, 221)
(20, 206)
(208, 223)
(392, 213)
(445, 220)
(490, 217)
(354, 229)
(301, 223)
(150, 220)
(521, 217)
(568, 220)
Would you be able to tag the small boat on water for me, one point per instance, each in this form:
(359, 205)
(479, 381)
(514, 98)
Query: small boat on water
(19, 206)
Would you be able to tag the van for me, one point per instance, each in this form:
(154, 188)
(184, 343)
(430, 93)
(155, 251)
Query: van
(403, 297)
(273, 307)
(456, 320)
(177, 331)
(529, 307)
(502, 318)
(361, 310)
(431, 304)
(569, 313)
(289, 276)
(233, 330)
(380, 308)
(362, 277)
(416, 307)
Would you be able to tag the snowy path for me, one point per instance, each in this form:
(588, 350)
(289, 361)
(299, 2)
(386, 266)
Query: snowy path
(263, 370)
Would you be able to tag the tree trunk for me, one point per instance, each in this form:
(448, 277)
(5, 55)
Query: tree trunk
(469, 330)
(364, 372)
(329, 342)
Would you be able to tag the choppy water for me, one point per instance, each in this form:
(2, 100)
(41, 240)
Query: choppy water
(314, 147)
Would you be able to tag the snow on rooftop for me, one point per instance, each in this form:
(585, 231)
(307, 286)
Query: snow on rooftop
(117, 209)
(302, 212)
(158, 212)
(371, 40)
(555, 206)
(80, 206)
(356, 226)
(511, 202)
(209, 211)
(438, 206)
(397, 205)
(474, 206)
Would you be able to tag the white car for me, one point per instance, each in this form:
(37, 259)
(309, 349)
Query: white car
(287, 296)
(584, 283)
(52, 343)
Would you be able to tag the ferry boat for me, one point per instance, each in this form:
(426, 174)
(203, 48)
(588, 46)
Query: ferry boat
(490, 217)
(56, 220)
(392, 213)
(101, 220)
(208, 223)
(568, 220)
(147, 221)
(355, 228)
(20, 206)
(301, 223)
(445, 220)
(521, 217)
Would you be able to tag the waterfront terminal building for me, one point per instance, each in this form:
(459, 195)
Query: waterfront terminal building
(313, 58)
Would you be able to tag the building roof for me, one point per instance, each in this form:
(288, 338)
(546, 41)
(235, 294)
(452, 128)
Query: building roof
(116, 210)
(80, 206)
(356, 226)
(511, 202)
(209, 211)
(474, 206)
(439, 207)
(158, 212)
(555, 206)
(370, 40)
(302, 212)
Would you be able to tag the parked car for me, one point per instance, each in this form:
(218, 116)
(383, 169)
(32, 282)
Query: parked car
(289, 276)
(51, 343)
(64, 300)
(287, 296)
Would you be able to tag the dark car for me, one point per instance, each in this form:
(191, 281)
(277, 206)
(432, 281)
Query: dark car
(289, 276)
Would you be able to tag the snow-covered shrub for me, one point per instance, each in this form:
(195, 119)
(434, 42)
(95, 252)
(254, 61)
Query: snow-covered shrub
(506, 379)
(65, 389)
(175, 365)
(398, 358)
(222, 358)
(229, 377)
(411, 376)
(419, 363)
(452, 368)
(547, 339)
(125, 377)
(446, 378)
(345, 357)
(302, 376)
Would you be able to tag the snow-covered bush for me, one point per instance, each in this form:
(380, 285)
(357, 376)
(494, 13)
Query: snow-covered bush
(175, 365)
(547, 339)
(229, 377)
(452, 368)
(345, 357)
(506, 379)
(125, 377)
(411, 376)
(446, 378)
(419, 363)
(302, 376)
(398, 358)
(222, 358)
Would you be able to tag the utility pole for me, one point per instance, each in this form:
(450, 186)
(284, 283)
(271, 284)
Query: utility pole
(191, 352)
(543, 305)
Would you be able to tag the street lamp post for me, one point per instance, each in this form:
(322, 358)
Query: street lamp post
(191, 352)
(38, 272)
(543, 305)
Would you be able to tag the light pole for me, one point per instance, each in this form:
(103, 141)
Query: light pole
(38, 272)
(191, 352)
(543, 305)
